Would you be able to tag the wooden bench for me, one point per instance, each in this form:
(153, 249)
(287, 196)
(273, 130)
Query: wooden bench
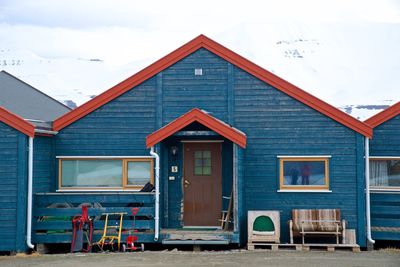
(317, 222)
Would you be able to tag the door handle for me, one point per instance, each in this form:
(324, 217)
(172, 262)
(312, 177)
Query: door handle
(187, 183)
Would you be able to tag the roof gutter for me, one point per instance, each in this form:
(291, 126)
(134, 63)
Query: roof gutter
(367, 192)
(40, 131)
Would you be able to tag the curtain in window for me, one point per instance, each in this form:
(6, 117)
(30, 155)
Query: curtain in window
(379, 173)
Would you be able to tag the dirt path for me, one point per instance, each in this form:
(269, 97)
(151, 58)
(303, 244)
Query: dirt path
(228, 258)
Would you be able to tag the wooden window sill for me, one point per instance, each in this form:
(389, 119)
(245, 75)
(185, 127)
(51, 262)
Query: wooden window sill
(304, 191)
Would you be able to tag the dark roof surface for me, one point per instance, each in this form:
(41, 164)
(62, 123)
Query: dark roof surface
(27, 101)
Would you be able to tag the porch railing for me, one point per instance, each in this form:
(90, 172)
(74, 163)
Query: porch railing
(53, 212)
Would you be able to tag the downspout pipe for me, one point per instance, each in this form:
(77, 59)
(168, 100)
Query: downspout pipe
(29, 204)
(157, 186)
(367, 191)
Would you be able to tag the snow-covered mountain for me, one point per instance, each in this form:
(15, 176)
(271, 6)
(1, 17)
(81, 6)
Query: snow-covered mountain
(72, 81)
(354, 67)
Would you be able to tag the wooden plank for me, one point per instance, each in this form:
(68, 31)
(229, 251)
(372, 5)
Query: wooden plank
(301, 247)
(386, 210)
(43, 200)
(12, 151)
(67, 225)
(159, 100)
(330, 249)
(386, 235)
(384, 222)
(66, 238)
(143, 211)
(230, 94)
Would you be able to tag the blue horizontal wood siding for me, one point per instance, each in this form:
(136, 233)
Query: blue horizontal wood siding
(117, 128)
(183, 90)
(386, 139)
(13, 176)
(385, 206)
(44, 175)
(275, 124)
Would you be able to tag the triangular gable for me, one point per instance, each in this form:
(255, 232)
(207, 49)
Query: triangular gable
(200, 116)
(384, 115)
(16, 122)
(230, 56)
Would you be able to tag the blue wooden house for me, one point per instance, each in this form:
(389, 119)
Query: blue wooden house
(24, 112)
(211, 130)
(385, 174)
(15, 134)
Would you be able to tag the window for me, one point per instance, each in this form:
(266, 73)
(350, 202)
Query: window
(91, 173)
(106, 173)
(298, 173)
(384, 172)
(202, 162)
(139, 172)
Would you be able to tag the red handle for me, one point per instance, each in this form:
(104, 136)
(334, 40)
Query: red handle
(135, 211)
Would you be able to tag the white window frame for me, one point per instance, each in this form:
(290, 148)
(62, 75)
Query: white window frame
(383, 188)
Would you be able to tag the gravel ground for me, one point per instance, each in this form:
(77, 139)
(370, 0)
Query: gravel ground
(221, 258)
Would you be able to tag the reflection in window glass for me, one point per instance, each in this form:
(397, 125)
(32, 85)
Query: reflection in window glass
(91, 173)
(304, 173)
(202, 162)
(385, 173)
(139, 172)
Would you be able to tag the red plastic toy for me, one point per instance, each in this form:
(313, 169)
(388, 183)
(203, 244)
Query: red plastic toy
(131, 239)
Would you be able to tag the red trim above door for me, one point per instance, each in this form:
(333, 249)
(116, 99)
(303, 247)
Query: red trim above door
(203, 118)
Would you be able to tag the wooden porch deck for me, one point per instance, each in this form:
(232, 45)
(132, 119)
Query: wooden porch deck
(305, 247)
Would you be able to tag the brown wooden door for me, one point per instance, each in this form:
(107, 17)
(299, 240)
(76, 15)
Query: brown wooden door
(202, 184)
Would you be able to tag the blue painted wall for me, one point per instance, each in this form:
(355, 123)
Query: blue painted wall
(275, 124)
(117, 128)
(13, 179)
(44, 175)
(385, 206)
(386, 139)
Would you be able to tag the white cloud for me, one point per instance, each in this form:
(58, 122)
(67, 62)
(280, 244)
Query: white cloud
(121, 32)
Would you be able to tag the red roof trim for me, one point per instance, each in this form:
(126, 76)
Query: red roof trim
(205, 119)
(16, 122)
(228, 55)
(384, 115)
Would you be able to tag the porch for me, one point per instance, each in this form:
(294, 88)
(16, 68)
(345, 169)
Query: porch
(201, 180)
(193, 189)
(53, 213)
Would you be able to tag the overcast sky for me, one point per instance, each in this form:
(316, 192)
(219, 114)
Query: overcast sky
(117, 30)
(121, 32)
